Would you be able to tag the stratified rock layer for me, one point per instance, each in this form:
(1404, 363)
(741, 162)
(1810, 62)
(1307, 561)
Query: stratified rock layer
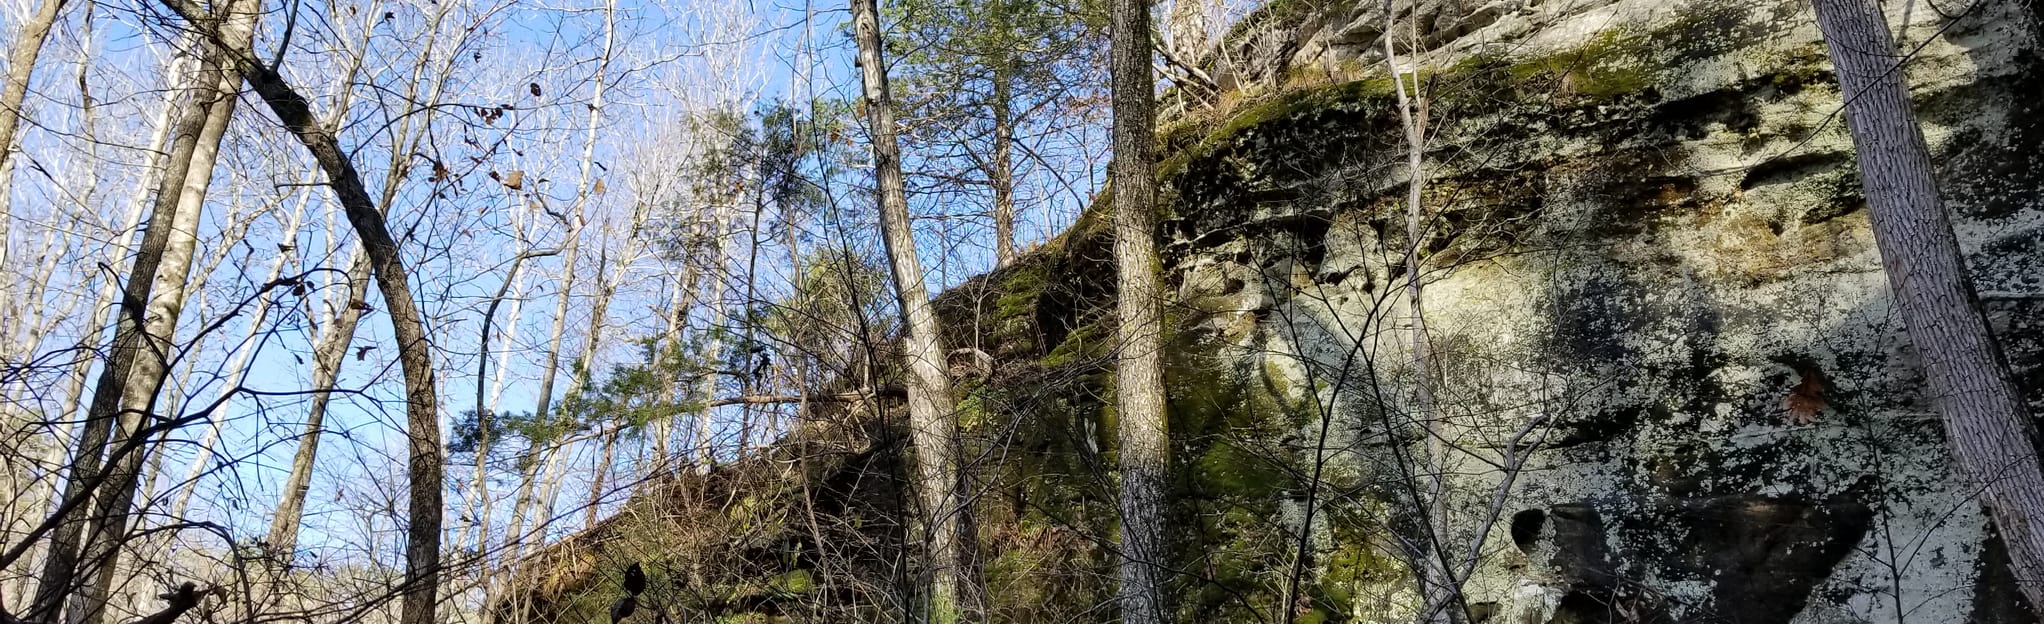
(1670, 381)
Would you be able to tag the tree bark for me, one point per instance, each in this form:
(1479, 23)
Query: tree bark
(486, 402)
(1143, 432)
(933, 435)
(592, 511)
(108, 533)
(21, 61)
(1987, 423)
(571, 253)
(1002, 175)
(61, 562)
(426, 466)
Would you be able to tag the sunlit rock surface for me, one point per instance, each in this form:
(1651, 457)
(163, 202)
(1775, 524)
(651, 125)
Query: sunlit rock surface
(1671, 383)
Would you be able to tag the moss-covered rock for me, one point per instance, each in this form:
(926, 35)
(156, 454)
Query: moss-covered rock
(1644, 253)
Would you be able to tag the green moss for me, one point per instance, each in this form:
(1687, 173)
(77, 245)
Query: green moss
(1339, 96)
(1019, 292)
(1086, 342)
(1353, 96)
(793, 582)
(1613, 64)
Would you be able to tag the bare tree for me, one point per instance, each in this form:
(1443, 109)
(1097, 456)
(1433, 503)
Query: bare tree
(933, 433)
(21, 62)
(1440, 588)
(39, 498)
(426, 465)
(1992, 434)
(133, 345)
(108, 534)
(339, 322)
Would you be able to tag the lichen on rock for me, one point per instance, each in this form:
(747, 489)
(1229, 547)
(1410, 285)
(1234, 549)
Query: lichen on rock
(1669, 370)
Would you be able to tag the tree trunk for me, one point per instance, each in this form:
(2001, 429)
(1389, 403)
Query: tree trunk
(31, 467)
(108, 535)
(1441, 592)
(110, 291)
(1188, 29)
(1144, 435)
(593, 510)
(426, 469)
(1002, 174)
(590, 341)
(528, 480)
(328, 355)
(713, 350)
(933, 433)
(486, 404)
(338, 329)
(426, 466)
(21, 61)
(60, 564)
(1991, 432)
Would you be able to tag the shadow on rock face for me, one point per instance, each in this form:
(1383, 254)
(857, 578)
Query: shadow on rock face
(1761, 555)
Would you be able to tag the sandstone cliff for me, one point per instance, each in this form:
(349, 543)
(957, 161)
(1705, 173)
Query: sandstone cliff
(1672, 383)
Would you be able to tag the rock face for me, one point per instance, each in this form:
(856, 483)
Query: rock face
(1671, 381)
(1670, 385)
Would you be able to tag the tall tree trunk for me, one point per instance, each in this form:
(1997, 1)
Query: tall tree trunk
(1002, 175)
(486, 406)
(549, 486)
(337, 330)
(522, 502)
(933, 434)
(108, 534)
(110, 291)
(713, 350)
(598, 312)
(481, 507)
(61, 562)
(426, 466)
(21, 62)
(40, 454)
(668, 346)
(1991, 432)
(328, 355)
(571, 251)
(1144, 434)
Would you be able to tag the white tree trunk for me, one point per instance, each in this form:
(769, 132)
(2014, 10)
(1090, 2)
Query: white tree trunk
(1441, 591)
(21, 62)
(92, 453)
(166, 304)
(40, 497)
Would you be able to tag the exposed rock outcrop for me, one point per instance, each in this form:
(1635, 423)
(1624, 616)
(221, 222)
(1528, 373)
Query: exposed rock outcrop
(1670, 373)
